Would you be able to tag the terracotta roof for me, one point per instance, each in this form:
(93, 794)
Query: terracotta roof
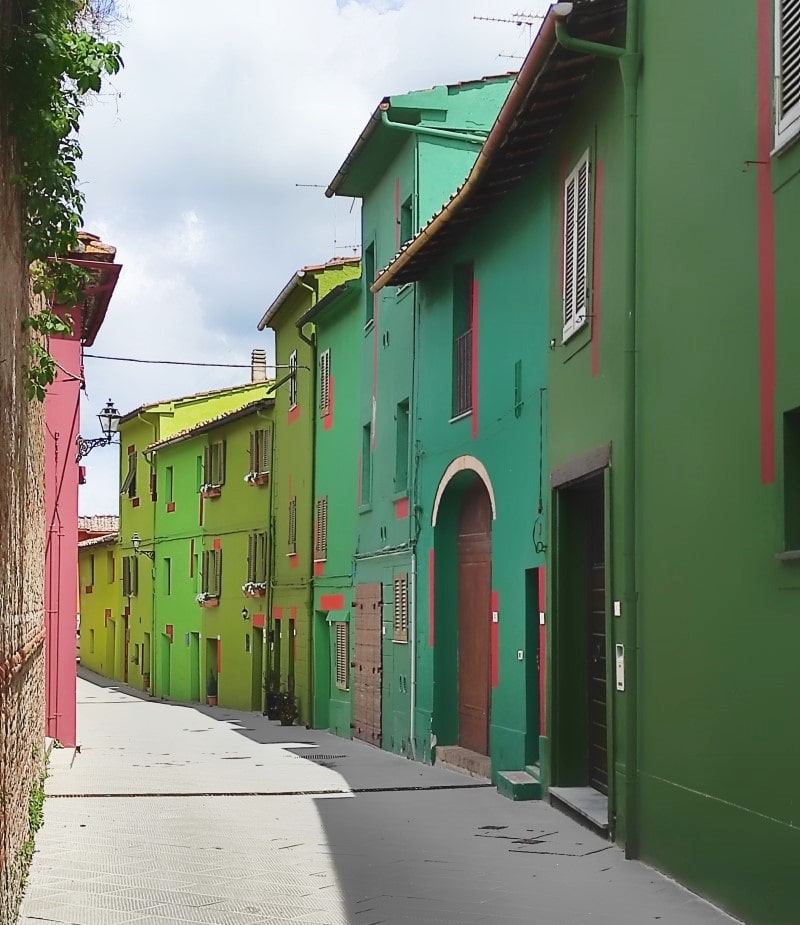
(106, 539)
(99, 523)
(212, 423)
(283, 295)
(97, 260)
(166, 401)
(545, 88)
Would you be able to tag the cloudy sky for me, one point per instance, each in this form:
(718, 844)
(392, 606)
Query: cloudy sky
(193, 156)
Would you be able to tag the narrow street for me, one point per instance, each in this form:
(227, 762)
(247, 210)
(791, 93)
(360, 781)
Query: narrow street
(178, 813)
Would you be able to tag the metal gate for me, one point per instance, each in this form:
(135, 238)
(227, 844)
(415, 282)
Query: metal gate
(368, 663)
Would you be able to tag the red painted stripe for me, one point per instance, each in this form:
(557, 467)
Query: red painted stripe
(542, 652)
(294, 561)
(766, 242)
(319, 569)
(475, 342)
(134, 502)
(277, 613)
(87, 589)
(131, 449)
(108, 612)
(397, 214)
(331, 602)
(219, 656)
(293, 613)
(217, 543)
(258, 620)
(327, 421)
(170, 507)
(495, 639)
(294, 414)
(597, 266)
(401, 508)
(431, 597)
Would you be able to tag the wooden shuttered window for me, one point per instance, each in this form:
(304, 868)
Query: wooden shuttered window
(400, 608)
(324, 383)
(129, 482)
(342, 656)
(292, 538)
(257, 557)
(212, 572)
(293, 379)
(321, 542)
(214, 463)
(787, 70)
(260, 451)
(130, 576)
(576, 247)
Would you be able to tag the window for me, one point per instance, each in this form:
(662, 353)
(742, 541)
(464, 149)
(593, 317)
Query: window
(169, 476)
(130, 576)
(292, 538)
(343, 656)
(214, 463)
(293, 380)
(91, 569)
(400, 608)
(324, 383)
(167, 576)
(200, 471)
(791, 479)
(153, 484)
(576, 247)
(111, 567)
(212, 572)
(401, 459)
(260, 451)
(366, 464)
(257, 558)
(91, 642)
(129, 482)
(463, 283)
(321, 543)
(787, 70)
(406, 221)
(369, 279)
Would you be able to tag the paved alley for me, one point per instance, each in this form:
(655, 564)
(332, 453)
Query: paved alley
(189, 814)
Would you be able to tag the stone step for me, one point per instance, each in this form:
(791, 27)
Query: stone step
(518, 785)
(456, 758)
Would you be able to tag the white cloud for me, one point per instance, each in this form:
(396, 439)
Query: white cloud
(193, 156)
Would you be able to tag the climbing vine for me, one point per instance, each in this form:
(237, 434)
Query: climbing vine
(54, 60)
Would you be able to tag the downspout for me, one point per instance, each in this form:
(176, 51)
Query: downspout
(269, 628)
(412, 731)
(629, 59)
(154, 641)
(312, 343)
(450, 134)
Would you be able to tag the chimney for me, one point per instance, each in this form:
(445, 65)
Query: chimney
(258, 365)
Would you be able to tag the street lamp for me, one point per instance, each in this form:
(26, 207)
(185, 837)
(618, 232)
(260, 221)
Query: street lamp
(245, 613)
(109, 419)
(136, 542)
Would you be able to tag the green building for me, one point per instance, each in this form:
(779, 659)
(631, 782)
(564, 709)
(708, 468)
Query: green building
(338, 324)
(212, 557)
(406, 163)
(291, 595)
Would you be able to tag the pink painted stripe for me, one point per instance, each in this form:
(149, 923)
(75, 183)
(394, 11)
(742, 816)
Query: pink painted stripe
(597, 266)
(475, 342)
(431, 597)
(331, 602)
(401, 508)
(766, 242)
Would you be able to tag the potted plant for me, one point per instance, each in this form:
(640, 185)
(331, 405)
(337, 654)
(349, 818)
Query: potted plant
(287, 708)
(211, 690)
(271, 697)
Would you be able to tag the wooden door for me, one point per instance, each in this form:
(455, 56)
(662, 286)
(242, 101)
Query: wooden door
(596, 638)
(126, 643)
(368, 664)
(474, 619)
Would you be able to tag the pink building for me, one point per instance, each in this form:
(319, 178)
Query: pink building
(63, 474)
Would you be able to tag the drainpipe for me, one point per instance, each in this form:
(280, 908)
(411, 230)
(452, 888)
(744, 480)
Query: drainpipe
(450, 134)
(154, 638)
(269, 626)
(629, 58)
(312, 343)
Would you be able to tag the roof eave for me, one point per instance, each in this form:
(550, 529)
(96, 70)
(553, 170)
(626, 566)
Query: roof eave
(355, 152)
(283, 295)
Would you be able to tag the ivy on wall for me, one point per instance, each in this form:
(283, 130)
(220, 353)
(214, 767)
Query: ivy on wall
(54, 60)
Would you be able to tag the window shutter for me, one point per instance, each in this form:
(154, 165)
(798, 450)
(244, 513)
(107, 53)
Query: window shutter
(293, 379)
(321, 545)
(223, 446)
(153, 485)
(576, 247)
(293, 526)
(129, 483)
(204, 575)
(325, 383)
(207, 473)
(134, 576)
(401, 608)
(261, 560)
(787, 62)
(264, 450)
(254, 456)
(252, 540)
(217, 572)
(342, 655)
(126, 576)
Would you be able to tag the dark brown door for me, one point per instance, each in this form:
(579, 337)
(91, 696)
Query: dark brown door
(474, 619)
(126, 642)
(596, 636)
(368, 664)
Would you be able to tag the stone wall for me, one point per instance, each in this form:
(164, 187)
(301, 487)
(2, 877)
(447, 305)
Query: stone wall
(21, 548)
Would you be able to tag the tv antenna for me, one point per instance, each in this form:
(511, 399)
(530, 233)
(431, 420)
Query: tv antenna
(519, 19)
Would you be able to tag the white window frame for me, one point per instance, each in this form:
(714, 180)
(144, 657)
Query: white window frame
(575, 283)
(787, 124)
(293, 380)
(325, 383)
(342, 653)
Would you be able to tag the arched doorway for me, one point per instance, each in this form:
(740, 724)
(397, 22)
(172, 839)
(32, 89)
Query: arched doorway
(474, 589)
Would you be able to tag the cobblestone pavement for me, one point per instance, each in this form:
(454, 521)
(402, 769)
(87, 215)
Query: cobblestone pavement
(188, 814)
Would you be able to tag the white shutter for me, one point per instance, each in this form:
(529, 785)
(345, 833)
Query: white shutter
(325, 383)
(787, 69)
(292, 526)
(293, 380)
(321, 551)
(342, 655)
(576, 247)
(400, 608)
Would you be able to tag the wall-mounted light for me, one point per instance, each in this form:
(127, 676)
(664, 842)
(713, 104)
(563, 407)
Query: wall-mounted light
(136, 542)
(109, 419)
(245, 613)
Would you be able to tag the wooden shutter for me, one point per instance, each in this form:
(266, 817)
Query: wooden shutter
(126, 576)
(292, 526)
(134, 576)
(252, 541)
(217, 572)
(343, 656)
(576, 246)
(321, 545)
(261, 557)
(254, 450)
(787, 64)
(207, 467)
(401, 608)
(223, 452)
(129, 483)
(205, 573)
(264, 450)
(325, 383)
(153, 485)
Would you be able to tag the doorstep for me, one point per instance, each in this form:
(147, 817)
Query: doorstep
(585, 802)
(456, 758)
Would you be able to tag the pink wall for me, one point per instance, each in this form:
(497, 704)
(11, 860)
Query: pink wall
(62, 420)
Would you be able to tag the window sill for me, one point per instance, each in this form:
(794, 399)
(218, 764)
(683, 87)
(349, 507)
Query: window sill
(369, 326)
(460, 417)
(401, 495)
(403, 290)
(364, 508)
(400, 642)
(788, 555)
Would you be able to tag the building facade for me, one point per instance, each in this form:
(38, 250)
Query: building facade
(98, 577)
